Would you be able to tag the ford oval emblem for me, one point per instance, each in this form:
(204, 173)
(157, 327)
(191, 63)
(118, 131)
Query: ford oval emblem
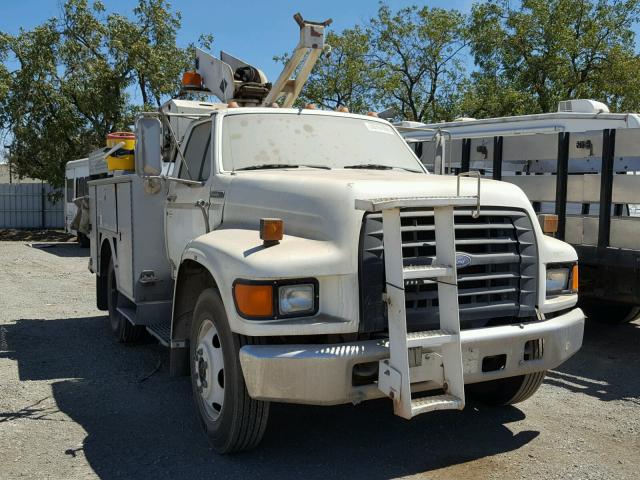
(462, 260)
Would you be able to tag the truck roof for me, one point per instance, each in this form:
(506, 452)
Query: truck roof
(524, 124)
(303, 111)
(78, 163)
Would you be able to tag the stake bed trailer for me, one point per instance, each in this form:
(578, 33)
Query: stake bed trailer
(305, 256)
(570, 163)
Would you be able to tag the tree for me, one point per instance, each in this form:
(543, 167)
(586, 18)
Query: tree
(417, 54)
(552, 50)
(76, 78)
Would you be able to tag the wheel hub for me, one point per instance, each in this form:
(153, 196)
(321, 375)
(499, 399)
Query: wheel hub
(208, 368)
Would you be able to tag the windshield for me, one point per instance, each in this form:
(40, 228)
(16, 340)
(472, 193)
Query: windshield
(268, 140)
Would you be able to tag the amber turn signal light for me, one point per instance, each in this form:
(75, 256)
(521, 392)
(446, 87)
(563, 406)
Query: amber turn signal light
(253, 300)
(548, 223)
(574, 279)
(271, 230)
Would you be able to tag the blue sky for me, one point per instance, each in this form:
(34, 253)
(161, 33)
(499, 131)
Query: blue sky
(253, 30)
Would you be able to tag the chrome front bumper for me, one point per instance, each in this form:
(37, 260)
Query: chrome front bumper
(322, 374)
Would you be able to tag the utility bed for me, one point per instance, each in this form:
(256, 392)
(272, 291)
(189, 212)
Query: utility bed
(143, 274)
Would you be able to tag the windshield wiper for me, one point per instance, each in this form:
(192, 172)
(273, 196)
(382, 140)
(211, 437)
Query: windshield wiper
(376, 166)
(266, 166)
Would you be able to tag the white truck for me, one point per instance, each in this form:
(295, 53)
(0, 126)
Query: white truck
(76, 176)
(307, 256)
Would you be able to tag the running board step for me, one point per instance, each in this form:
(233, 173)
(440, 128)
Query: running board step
(161, 330)
(436, 402)
(426, 271)
(430, 338)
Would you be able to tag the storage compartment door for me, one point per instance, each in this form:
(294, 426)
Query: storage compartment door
(124, 239)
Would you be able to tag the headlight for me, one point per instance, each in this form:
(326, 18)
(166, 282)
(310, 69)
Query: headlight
(296, 299)
(274, 299)
(557, 279)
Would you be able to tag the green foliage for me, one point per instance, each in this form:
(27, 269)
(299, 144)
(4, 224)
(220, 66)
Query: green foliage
(417, 57)
(550, 50)
(88, 73)
(75, 76)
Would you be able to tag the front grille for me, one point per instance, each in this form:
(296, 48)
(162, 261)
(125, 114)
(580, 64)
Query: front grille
(498, 287)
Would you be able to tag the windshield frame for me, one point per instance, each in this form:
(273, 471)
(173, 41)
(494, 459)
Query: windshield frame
(219, 126)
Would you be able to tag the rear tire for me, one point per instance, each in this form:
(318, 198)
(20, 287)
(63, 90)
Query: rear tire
(122, 328)
(611, 313)
(231, 419)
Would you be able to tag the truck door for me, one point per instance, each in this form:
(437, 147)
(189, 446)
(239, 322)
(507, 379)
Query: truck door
(187, 203)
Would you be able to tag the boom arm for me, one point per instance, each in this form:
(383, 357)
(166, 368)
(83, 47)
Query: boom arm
(311, 44)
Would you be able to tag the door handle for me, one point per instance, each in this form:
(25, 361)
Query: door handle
(171, 198)
(204, 206)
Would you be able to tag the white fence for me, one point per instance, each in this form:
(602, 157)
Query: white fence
(28, 205)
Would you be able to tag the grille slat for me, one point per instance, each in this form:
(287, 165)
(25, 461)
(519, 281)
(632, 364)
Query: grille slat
(499, 285)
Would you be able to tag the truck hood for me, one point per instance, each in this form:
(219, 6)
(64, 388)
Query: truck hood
(320, 204)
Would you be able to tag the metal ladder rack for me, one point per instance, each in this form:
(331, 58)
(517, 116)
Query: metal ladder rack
(444, 366)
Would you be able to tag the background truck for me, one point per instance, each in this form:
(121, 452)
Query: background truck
(306, 256)
(580, 163)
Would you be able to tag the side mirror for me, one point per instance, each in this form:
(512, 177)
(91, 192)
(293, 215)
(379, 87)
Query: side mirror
(148, 151)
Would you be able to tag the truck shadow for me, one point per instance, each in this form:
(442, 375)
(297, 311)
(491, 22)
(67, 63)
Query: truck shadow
(607, 366)
(62, 249)
(140, 422)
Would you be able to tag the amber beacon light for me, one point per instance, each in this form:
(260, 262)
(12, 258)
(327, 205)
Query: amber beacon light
(191, 81)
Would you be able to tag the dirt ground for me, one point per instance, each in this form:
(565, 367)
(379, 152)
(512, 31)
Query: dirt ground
(16, 235)
(75, 404)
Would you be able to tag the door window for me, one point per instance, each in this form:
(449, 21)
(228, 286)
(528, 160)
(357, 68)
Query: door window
(70, 195)
(197, 156)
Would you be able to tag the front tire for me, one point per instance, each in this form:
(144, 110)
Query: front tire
(507, 391)
(611, 313)
(232, 420)
(122, 328)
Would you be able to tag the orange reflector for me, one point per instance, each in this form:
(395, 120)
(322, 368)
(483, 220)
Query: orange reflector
(342, 109)
(310, 106)
(372, 114)
(271, 229)
(254, 300)
(574, 279)
(548, 222)
(192, 80)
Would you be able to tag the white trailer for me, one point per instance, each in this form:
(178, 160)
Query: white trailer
(580, 163)
(306, 256)
(76, 177)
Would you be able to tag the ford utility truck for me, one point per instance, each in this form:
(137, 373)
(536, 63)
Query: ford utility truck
(307, 256)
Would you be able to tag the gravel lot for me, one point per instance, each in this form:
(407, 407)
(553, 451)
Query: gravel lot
(75, 404)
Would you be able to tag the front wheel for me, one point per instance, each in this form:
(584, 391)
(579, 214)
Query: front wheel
(506, 391)
(510, 390)
(610, 313)
(232, 420)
